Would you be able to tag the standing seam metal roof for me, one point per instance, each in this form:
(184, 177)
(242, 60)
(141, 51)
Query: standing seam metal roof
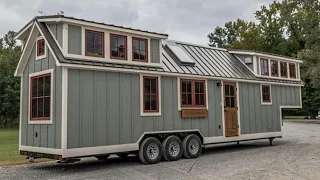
(208, 62)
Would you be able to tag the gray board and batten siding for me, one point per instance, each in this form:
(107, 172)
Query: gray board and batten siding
(57, 31)
(48, 135)
(105, 109)
(75, 43)
(258, 118)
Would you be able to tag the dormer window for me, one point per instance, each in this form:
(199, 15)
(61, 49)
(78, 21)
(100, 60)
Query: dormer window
(94, 43)
(140, 49)
(118, 45)
(292, 70)
(264, 67)
(274, 68)
(40, 48)
(283, 69)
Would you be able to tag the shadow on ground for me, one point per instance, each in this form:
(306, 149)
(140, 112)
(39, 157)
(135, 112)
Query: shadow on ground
(92, 164)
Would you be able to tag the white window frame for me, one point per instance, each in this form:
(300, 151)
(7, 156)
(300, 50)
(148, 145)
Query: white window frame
(142, 113)
(179, 93)
(49, 121)
(261, 96)
(45, 48)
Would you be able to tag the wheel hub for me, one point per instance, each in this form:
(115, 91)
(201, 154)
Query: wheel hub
(152, 151)
(174, 148)
(193, 147)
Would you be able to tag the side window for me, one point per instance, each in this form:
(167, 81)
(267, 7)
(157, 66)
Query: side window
(40, 48)
(266, 94)
(40, 97)
(150, 94)
(274, 68)
(140, 49)
(94, 43)
(264, 63)
(292, 70)
(193, 93)
(283, 69)
(118, 45)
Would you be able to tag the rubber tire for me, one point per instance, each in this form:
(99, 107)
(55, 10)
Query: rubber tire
(103, 157)
(123, 155)
(143, 151)
(185, 143)
(165, 148)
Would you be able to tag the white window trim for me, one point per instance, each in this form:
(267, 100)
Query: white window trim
(45, 48)
(141, 96)
(107, 52)
(179, 93)
(49, 71)
(266, 103)
(279, 69)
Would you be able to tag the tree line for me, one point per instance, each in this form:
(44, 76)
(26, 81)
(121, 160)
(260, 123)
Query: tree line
(289, 28)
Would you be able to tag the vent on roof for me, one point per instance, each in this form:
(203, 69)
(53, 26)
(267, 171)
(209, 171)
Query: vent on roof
(180, 54)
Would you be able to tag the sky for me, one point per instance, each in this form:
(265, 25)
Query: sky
(184, 20)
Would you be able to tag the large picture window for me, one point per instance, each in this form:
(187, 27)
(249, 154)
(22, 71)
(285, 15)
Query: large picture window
(193, 93)
(292, 70)
(40, 97)
(264, 67)
(283, 69)
(118, 45)
(140, 49)
(274, 68)
(94, 43)
(150, 94)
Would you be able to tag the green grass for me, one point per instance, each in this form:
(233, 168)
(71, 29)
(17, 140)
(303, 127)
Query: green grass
(294, 117)
(9, 147)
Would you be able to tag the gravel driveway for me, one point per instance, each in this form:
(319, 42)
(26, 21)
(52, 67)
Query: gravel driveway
(296, 156)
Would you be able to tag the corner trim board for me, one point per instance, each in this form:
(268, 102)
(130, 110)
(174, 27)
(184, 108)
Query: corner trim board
(64, 110)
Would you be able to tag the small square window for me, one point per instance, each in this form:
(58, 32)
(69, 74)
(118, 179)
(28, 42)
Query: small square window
(284, 69)
(140, 49)
(94, 43)
(118, 46)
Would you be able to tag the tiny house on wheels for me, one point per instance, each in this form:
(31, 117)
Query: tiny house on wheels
(95, 89)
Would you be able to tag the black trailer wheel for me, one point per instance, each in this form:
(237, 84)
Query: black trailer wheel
(150, 151)
(172, 148)
(192, 146)
(102, 157)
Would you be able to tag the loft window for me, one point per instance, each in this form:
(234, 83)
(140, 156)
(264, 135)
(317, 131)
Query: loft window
(94, 43)
(140, 49)
(193, 93)
(266, 94)
(118, 45)
(274, 68)
(283, 69)
(40, 97)
(40, 47)
(264, 67)
(150, 94)
(292, 70)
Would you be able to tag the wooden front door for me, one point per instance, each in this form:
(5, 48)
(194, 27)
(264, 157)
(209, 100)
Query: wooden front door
(231, 109)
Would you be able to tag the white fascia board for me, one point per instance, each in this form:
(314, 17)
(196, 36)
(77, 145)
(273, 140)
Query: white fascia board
(98, 68)
(266, 56)
(92, 24)
(27, 46)
(23, 31)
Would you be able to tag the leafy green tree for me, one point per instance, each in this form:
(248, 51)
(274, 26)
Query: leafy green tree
(9, 85)
(289, 27)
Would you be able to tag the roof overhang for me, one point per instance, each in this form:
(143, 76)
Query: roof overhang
(103, 26)
(266, 55)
